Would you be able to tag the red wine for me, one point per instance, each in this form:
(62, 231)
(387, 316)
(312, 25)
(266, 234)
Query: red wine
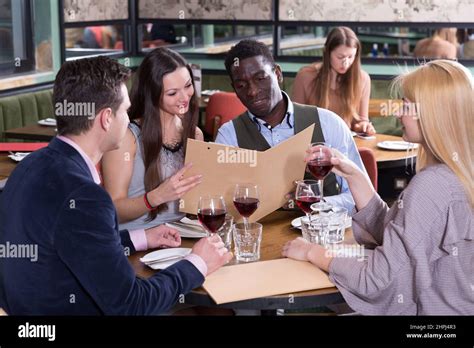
(305, 203)
(319, 169)
(246, 206)
(212, 219)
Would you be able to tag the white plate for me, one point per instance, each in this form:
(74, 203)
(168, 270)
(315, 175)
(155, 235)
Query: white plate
(296, 223)
(396, 145)
(48, 122)
(18, 156)
(353, 133)
(158, 254)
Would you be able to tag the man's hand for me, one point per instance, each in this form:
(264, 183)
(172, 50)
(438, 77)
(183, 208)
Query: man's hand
(212, 251)
(162, 236)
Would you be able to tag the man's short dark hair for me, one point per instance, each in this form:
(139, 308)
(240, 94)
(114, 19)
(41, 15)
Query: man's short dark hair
(247, 49)
(83, 85)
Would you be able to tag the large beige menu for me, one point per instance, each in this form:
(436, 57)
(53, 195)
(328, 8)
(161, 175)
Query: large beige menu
(265, 278)
(274, 171)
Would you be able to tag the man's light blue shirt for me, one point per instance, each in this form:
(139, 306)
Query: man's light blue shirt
(336, 133)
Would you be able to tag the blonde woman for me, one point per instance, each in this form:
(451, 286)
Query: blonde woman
(338, 83)
(423, 247)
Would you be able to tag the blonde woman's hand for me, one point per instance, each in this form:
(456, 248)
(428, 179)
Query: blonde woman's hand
(343, 166)
(174, 187)
(297, 249)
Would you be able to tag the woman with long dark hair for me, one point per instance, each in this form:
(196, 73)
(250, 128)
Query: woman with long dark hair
(338, 83)
(144, 176)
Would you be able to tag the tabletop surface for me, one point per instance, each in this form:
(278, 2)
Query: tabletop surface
(277, 231)
(382, 155)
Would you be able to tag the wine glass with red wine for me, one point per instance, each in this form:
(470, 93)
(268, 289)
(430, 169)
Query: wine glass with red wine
(246, 200)
(307, 193)
(211, 213)
(320, 166)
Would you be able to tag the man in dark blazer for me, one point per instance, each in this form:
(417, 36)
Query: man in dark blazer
(74, 259)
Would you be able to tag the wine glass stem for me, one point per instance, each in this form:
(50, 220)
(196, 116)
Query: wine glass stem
(246, 222)
(309, 217)
(321, 189)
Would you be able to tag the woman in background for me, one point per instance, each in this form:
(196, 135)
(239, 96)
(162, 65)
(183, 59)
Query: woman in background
(442, 45)
(423, 247)
(144, 176)
(338, 83)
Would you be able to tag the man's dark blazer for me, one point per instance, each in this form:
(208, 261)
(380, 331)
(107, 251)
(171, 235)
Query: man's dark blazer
(51, 201)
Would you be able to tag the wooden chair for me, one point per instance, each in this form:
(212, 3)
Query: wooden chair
(370, 164)
(222, 107)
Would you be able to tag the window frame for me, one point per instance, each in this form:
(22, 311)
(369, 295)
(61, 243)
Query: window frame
(27, 60)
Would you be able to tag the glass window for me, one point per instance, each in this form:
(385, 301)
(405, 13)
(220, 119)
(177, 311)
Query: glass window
(94, 40)
(202, 38)
(378, 42)
(16, 45)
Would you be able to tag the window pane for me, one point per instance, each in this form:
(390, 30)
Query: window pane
(94, 40)
(379, 42)
(205, 38)
(6, 32)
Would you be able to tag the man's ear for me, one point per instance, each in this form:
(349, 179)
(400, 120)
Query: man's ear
(279, 73)
(105, 118)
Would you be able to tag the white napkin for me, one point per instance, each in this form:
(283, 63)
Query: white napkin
(188, 228)
(18, 156)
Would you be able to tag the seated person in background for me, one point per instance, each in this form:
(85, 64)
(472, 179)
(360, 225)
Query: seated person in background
(99, 37)
(338, 83)
(466, 50)
(272, 117)
(423, 247)
(53, 201)
(443, 44)
(165, 32)
(143, 176)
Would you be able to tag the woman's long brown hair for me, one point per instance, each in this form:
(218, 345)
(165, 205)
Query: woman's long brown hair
(348, 84)
(146, 99)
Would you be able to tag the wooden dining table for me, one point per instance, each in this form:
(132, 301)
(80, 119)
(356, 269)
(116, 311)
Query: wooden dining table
(277, 230)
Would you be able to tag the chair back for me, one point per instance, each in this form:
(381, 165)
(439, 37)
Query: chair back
(370, 164)
(222, 107)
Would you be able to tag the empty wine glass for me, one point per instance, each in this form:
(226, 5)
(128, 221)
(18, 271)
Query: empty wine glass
(320, 166)
(211, 213)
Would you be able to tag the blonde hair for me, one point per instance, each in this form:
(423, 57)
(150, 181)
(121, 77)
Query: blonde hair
(443, 91)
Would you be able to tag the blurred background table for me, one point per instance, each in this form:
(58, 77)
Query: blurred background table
(386, 158)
